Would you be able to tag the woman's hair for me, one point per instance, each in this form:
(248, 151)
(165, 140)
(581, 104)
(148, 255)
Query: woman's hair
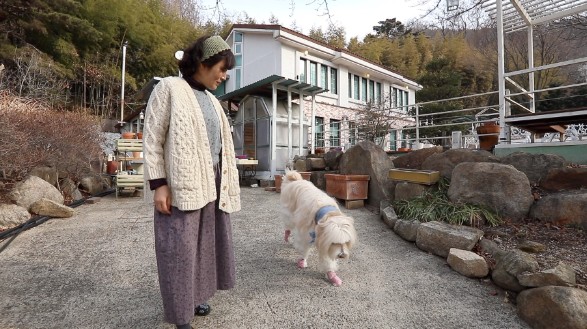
(216, 50)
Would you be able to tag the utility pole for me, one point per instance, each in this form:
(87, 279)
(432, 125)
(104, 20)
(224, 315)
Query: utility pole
(124, 45)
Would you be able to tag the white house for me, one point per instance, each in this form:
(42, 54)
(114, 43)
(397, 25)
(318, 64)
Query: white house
(274, 66)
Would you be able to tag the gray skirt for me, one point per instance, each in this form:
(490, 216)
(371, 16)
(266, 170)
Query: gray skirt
(195, 257)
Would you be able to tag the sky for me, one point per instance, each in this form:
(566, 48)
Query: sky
(357, 16)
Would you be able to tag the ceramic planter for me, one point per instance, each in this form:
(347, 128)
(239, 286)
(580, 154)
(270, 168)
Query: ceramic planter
(347, 187)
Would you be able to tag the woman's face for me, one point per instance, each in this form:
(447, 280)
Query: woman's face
(211, 77)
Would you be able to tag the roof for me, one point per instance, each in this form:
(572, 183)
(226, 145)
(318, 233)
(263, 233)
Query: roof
(518, 14)
(264, 87)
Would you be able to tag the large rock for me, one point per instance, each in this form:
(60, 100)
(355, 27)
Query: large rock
(408, 191)
(415, 159)
(561, 275)
(446, 161)
(439, 237)
(535, 166)
(45, 207)
(467, 263)
(33, 189)
(562, 208)
(406, 229)
(93, 184)
(509, 265)
(12, 215)
(553, 307)
(559, 179)
(366, 158)
(49, 174)
(501, 188)
(387, 213)
(332, 159)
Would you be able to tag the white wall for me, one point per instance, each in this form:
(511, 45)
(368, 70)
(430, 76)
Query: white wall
(260, 57)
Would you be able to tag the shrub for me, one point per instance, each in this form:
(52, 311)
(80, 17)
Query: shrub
(434, 205)
(32, 134)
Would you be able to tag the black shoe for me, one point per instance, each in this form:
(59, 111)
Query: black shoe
(184, 326)
(202, 310)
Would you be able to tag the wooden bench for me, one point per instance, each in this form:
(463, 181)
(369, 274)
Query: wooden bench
(128, 181)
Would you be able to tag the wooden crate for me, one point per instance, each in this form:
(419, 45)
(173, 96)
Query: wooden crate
(347, 187)
(426, 177)
(131, 145)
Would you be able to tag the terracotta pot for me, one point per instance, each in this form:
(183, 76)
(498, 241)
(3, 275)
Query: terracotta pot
(403, 149)
(488, 142)
(128, 135)
(278, 183)
(111, 167)
(139, 135)
(347, 187)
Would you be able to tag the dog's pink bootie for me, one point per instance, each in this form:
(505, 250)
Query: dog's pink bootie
(302, 263)
(334, 279)
(286, 235)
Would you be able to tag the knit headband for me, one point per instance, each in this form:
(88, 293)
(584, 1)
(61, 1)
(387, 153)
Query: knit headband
(212, 46)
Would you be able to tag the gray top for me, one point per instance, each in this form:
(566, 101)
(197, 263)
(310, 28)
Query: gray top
(212, 124)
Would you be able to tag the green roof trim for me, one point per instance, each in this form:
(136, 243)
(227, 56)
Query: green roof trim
(264, 87)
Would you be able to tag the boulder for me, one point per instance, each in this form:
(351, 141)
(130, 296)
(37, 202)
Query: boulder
(408, 191)
(553, 307)
(33, 189)
(467, 263)
(46, 207)
(501, 188)
(366, 158)
(49, 174)
(387, 213)
(415, 159)
(560, 179)
(507, 267)
(12, 215)
(406, 229)
(439, 237)
(561, 275)
(562, 208)
(446, 161)
(535, 166)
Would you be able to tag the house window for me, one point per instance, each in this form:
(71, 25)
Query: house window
(350, 85)
(324, 76)
(319, 134)
(333, 81)
(334, 132)
(378, 92)
(238, 57)
(357, 87)
(352, 132)
(303, 68)
(313, 73)
(371, 91)
(364, 89)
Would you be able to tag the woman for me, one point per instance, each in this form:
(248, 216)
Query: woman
(190, 165)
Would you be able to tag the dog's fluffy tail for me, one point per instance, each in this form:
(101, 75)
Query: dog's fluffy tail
(292, 175)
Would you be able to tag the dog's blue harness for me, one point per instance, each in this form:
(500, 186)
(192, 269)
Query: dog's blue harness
(319, 214)
(323, 211)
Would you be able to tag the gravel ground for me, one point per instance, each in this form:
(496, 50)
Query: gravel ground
(97, 270)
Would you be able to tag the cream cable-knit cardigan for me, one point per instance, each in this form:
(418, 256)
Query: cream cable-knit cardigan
(176, 148)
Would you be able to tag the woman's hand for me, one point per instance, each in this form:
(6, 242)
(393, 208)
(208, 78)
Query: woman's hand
(162, 199)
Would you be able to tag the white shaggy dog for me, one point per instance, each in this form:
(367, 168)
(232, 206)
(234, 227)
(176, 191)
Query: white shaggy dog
(314, 218)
